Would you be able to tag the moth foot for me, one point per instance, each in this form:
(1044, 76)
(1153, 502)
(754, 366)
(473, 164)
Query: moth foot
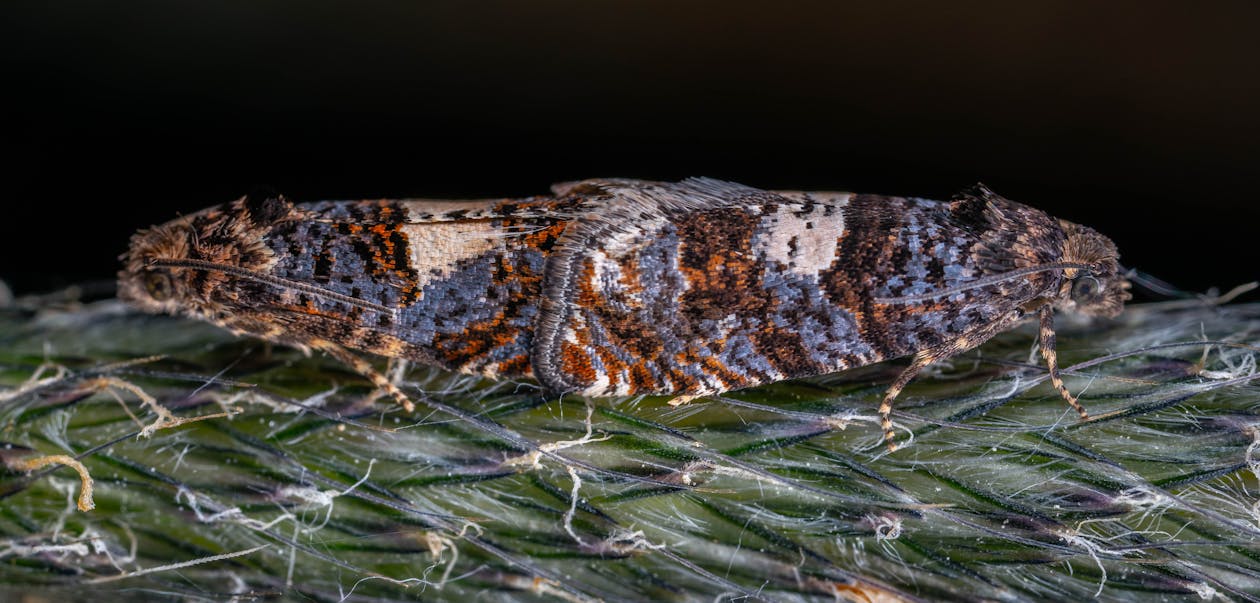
(400, 397)
(890, 438)
(376, 394)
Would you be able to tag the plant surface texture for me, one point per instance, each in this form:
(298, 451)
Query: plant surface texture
(222, 468)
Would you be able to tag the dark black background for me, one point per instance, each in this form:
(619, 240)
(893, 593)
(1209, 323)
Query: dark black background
(1140, 119)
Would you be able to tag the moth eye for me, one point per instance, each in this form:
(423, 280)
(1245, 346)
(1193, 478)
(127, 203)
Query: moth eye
(1085, 287)
(158, 285)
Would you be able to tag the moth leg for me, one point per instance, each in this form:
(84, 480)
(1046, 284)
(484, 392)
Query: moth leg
(1052, 360)
(921, 359)
(924, 357)
(363, 367)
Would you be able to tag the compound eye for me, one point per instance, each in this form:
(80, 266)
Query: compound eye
(1086, 287)
(158, 285)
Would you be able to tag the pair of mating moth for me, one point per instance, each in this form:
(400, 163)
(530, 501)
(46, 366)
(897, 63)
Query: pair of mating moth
(625, 287)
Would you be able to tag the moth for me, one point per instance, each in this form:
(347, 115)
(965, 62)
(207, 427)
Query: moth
(623, 287)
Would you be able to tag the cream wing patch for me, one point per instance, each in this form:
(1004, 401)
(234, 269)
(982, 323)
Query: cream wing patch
(445, 210)
(441, 234)
(803, 238)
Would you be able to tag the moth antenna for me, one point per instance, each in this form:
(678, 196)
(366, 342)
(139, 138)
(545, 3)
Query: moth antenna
(984, 282)
(274, 281)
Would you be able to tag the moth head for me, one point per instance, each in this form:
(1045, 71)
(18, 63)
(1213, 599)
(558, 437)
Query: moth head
(185, 266)
(1101, 289)
(154, 288)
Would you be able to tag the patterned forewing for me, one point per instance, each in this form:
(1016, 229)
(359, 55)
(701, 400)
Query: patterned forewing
(709, 300)
(454, 284)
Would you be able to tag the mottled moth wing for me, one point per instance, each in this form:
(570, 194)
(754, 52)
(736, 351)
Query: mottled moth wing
(454, 284)
(696, 287)
(705, 286)
(620, 287)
